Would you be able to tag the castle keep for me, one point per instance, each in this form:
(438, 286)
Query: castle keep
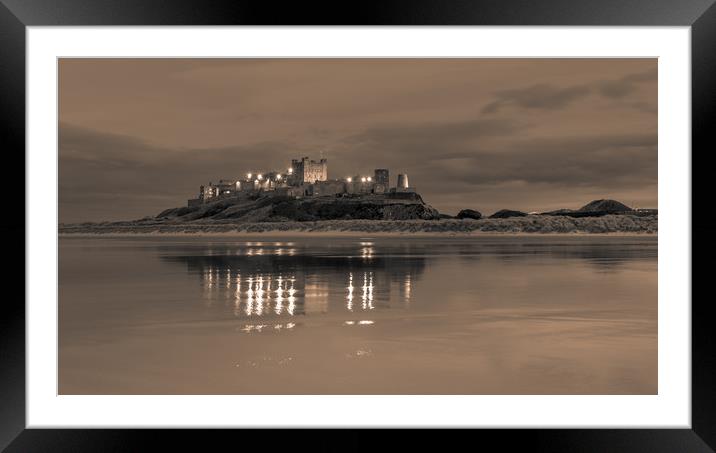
(306, 171)
(304, 178)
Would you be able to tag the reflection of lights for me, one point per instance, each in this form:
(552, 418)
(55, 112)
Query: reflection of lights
(260, 296)
(407, 287)
(369, 179)
(256, 295)
(349, 297)
(349, 179)
(362, 179)
(290, 171)
(363, 322)
(259, 177)
(250, 297)
(237, 295)
(279, 296)
(367, 291)
(278, 177)
(249, 328)
(364, 293)
(367, 252)
(248, 175)
(291, 299)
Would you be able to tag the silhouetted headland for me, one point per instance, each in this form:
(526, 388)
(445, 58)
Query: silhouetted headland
(370, 213)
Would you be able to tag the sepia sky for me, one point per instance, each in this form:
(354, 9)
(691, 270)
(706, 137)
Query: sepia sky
(137, 136)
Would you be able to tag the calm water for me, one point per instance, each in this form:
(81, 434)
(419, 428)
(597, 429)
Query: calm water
(486, 315)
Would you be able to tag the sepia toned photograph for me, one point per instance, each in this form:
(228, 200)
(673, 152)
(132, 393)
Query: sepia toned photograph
(368, 226)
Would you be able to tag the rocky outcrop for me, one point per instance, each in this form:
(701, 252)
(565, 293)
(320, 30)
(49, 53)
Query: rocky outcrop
(469, 214)
(606, 206)
(506, 214)
(268, 208)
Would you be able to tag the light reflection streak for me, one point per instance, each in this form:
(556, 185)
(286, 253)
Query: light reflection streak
(364, 291)
(291, 298)
(260, 297)
(250, 297)
(349, 297)
(237, 295)
(407, 288)
(279, 296)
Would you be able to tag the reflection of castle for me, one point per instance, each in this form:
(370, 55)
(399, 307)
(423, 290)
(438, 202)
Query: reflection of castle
(304, 178)
(276, 279)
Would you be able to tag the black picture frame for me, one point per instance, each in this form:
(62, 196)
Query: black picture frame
(16, 15)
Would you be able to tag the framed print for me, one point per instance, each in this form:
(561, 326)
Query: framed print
(413, 215)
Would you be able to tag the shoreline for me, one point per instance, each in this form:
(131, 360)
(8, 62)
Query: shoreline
(611, 225)
(348, 234)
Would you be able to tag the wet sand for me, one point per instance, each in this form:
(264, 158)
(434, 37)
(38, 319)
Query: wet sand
(392, 315)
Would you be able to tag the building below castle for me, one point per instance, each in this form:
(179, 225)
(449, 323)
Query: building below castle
(304, 178)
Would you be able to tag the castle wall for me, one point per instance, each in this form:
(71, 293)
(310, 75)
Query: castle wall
(332, 187)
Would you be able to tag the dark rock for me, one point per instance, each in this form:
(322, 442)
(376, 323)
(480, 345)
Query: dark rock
(506, 213)
(608, 206)
(559, 212)
(271, 208)
(469, 214)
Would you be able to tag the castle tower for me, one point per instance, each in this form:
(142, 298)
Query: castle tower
(382, 176)
(403, 181)
(308, 171)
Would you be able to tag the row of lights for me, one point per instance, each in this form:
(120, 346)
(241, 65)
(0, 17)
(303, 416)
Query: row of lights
(259, 177)
(362, 179)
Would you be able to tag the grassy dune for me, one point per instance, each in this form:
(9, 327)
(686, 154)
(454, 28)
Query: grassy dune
(539, 224)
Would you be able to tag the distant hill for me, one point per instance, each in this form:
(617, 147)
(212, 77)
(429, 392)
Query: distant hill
(607, 206)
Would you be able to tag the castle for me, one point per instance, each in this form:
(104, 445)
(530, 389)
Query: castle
(304, 178)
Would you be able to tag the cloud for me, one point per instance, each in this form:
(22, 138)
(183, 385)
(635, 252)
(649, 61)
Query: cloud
(549, 97)
(456, 164)
(539, 96)
(624, 86)
(105, 176)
